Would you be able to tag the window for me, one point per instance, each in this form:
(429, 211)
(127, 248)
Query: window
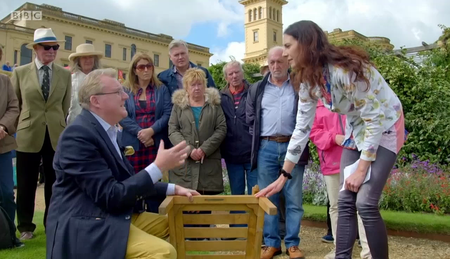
(124, 54)
(274, 13)
(275, 36)
(15, 57)
(170, 63)
(270, 12)
(250, 15)
(199, 64)
(255, 36)
(278, 15)
(89, 41)
(25, 55)
(254, 14)
(108, 50)
(133, 50)
(156, 60)
(260, 13)
(68, 43)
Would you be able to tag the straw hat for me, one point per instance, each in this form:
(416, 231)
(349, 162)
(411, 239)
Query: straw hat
(84, 50)
(42, 35)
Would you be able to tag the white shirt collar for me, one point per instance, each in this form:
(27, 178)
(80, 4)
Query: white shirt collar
(106, 126)
(39, 64)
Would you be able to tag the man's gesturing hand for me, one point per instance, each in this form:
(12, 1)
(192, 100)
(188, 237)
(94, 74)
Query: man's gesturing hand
(167, 159)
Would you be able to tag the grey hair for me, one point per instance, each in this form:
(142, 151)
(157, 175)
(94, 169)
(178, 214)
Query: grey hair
(230, 64)
(273, 49)
(177, 43)
(75, 64)
(92, 85)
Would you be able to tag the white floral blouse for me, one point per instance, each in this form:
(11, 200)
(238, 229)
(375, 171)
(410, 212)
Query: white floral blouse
(371, 111)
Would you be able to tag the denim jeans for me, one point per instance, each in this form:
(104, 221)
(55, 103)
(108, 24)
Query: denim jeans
(7, 184)
(270, 160)
(237, 173)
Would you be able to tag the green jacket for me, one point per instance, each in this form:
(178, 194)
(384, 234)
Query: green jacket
(206, 176)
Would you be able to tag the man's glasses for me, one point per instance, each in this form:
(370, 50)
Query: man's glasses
(48, 47)
(143, 67)
(118, 92)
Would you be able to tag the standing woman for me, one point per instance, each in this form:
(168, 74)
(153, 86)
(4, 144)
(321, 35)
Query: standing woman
(9, 113)
(345, 80)
(84, 61)
(149, 108)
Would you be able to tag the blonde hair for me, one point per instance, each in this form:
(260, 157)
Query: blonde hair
(194, 75)
(92, 85)
(75, 64)
(132, 80)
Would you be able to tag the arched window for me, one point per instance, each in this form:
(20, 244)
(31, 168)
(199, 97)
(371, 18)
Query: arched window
(270, 12)
(274, 14)
(133, 50)
(260, 13)
(26, 55)
(250, 15)
(254, 14)
(278, 15)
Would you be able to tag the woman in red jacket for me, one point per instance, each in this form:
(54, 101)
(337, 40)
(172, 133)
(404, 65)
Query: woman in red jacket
(327, 134)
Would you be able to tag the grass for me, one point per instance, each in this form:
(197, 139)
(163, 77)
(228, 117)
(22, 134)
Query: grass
(395, 220)
(34, 248)
(416, 222)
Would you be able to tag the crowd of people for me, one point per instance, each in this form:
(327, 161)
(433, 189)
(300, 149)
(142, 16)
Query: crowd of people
(105, 146)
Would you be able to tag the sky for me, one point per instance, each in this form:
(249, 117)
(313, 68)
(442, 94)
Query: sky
(219, 24)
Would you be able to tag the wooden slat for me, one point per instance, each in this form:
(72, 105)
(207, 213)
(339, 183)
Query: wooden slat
(235, 245)
(259, 232)
(181, 245)
(237, 232)
(216, 218)
(215, 207)
(166, 205)
(250, 252)
(172, 226)
(217, 199)
(216, 256)
(267, 206)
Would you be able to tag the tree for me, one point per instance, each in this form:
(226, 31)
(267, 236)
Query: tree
(216, 72)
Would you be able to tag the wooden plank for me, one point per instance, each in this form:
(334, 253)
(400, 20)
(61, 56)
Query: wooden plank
(217, 256)
(166, 205)
(250, 251)
(224, 245)
(201, 232)
(181, 246)
(259, 232)
(216, 218)
(172, 226)
(215, 207)
(267, 206)
(217, 199)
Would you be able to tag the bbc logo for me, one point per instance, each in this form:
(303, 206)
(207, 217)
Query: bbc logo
(26, 15)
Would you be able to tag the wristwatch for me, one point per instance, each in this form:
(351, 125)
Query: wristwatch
(285, 174)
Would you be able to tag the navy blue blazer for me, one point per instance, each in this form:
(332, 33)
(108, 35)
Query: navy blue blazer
(94, 195)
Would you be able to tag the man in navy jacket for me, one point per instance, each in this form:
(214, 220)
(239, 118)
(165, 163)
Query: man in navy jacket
(96, 210)
(179, 55)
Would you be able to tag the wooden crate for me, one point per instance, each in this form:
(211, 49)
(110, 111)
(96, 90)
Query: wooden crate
(248, 239)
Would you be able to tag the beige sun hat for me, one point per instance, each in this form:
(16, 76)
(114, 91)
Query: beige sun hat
(42, 35)
(84, 50)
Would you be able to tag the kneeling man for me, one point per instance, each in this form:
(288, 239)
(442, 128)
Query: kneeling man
(96, 210)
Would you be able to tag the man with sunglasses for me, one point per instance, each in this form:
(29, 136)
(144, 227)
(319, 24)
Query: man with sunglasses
(43, 89)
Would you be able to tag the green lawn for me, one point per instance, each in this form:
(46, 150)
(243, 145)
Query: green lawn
(418, 222)
(395, 220)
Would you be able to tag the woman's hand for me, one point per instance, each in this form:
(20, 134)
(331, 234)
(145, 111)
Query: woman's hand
(144, 135)
(354, 181)
(195, 155)
(273, 188)
(339, 139)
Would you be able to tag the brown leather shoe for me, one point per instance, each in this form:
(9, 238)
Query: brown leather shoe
(268, 252)
(295, 253)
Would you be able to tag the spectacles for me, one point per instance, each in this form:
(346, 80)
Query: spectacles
(143, 67)
(48, 47)
(118, 92)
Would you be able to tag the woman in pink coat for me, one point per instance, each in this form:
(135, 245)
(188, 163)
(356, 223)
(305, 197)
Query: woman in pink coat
(327, 134)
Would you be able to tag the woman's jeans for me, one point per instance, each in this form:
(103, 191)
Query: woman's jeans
(7, 185)
(366, 202)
